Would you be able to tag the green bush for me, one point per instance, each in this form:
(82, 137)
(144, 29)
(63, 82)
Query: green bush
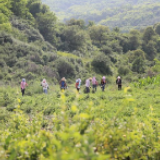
(123, 70)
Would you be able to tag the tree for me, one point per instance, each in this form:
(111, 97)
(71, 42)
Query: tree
(138, 65)
(35, 7)
(76, 22)
(18, 7)
(91, 23)
(157, 28)
(98, 34)
(106, 50)
(64, 68)
(4, 15)
(134, 40)
(74, 38)
(150, 49)
(148, 34)
(47, 26)
(101, 64)
(132, 55)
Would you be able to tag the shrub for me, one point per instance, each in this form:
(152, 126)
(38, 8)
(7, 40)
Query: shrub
(123, 70)
(64, 68)
(101, 64)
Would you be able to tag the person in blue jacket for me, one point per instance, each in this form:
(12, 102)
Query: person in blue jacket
(63, 84)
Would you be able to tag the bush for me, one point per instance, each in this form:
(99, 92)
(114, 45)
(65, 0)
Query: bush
(64, 68)
(101, 64)
(2, 63)
(123, 70)
(1, 76)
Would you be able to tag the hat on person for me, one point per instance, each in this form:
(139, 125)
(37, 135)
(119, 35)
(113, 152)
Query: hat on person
(119, 77)
(63, 79)
(23, 80)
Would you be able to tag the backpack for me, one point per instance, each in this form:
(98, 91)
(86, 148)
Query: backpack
(77, 84)
(63, 84)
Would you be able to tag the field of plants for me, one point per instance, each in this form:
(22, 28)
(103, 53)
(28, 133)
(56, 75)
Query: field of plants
(110, 125)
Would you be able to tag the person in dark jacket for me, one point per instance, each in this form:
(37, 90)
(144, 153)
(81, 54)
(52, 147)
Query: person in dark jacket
(103, 83)
(119, 82)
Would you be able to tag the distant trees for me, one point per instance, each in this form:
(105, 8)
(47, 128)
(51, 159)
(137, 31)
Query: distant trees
(98, 34)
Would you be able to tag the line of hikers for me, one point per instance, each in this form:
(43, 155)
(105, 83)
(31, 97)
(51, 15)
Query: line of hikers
(94, 83)
(63, 84)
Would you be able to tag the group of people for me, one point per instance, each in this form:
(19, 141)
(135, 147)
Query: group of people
(94, 83)
(63, 84)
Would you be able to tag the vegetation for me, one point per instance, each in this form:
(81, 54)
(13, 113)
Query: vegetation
(67, 125)
(122, 13)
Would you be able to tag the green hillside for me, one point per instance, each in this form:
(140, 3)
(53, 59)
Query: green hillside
(64, 124)
(34, 45)
(124, 14)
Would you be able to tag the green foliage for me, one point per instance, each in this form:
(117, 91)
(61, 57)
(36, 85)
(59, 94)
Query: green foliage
(124, 14)
(74, 39)
(138, 65)
(47, 25)
(64, 68)
(101, 64)
(112, 124)
(123, 70)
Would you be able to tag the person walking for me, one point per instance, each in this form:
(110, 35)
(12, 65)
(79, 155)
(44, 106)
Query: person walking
(119, 82)
(23, 86)
(94, 84)
(88, 85)
(103, 83)
(63, 84)
(45, 86)
(78, 84)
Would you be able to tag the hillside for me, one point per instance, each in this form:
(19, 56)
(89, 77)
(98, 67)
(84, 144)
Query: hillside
(34, 45)
(124, 14)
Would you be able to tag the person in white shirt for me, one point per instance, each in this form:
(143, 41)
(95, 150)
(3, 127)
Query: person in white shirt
(88, 85)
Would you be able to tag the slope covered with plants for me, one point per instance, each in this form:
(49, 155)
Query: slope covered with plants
(122, 13)
(33, 44)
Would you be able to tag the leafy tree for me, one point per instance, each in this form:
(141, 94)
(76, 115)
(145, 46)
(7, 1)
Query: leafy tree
(148, 34)
(74, 38)
(150, 49)
(64, 68)
(106, 50)
(18, 7)
(101, 64)
(35, 8)
(134, 40)
(47, 26)
(123, 70)
(91, 23)
(138, 65)
(78, 22)
(98, 34)
(135, 54)
(157, 28)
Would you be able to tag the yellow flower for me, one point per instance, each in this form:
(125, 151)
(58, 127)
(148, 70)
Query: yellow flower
(19, 101)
